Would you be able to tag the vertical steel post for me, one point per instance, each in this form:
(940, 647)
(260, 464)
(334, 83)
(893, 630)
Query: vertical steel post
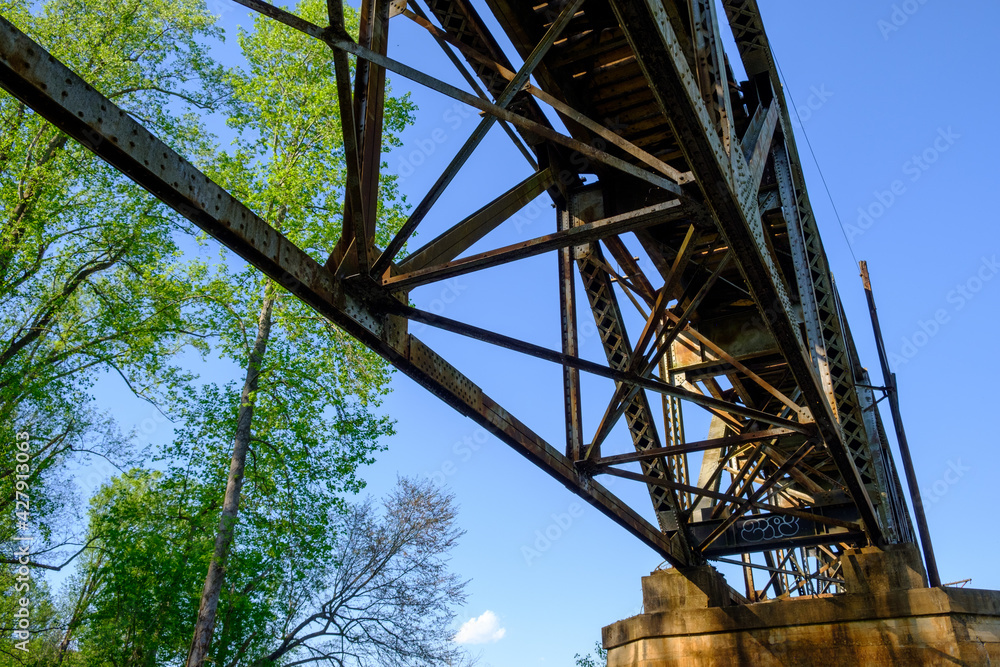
(570, 342)
(904, 447)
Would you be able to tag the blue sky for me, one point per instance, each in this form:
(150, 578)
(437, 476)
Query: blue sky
(897, 102)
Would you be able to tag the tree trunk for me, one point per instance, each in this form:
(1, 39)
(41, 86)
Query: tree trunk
(87, 590)
(204, 627)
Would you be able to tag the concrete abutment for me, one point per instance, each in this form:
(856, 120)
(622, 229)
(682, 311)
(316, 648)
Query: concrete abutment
(887, 617)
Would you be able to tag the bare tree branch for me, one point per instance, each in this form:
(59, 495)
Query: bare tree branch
(389, 598)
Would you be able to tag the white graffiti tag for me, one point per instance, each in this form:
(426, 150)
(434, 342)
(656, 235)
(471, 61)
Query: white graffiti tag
(769, 528)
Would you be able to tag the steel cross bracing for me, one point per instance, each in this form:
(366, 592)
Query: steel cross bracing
(694, 170)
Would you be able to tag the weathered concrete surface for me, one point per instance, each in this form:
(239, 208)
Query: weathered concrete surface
(889, 620)
(872, 570)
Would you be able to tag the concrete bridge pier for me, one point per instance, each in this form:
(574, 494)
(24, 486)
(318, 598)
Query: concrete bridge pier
(888, 617)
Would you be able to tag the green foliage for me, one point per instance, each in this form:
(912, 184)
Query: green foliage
(314, 421)
(93, 279)
(141, 580)
(379, 575)
(598, 659)
(41, 648)
(89, 274)
(288, 157)
(316, 389)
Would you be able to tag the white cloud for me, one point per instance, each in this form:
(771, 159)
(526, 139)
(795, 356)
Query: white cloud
(482, 630)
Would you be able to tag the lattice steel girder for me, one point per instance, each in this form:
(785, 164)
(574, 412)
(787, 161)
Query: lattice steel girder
(729, 176)
(710, 66)
(759, 532)
(638, 415)
(660, 55)
(43, 83)
(833, 339)
(573, 236)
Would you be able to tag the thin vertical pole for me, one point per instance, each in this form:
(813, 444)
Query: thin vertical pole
(904, 447)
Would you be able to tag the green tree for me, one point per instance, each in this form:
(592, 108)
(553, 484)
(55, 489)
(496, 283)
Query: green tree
(91, 280)
(136, 593)
(598, 659)
(40, 650)
(374, 591)
(305, 410)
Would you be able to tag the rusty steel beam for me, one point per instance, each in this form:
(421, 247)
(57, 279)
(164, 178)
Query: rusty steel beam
(691, 447)
(758, 151)
(653, 39)
(639, 416)
(574, 236)
(623, 396)
(745, 505)
(803, 274)
(747, 564)
(710, 67)
(505, 98)
(677, 176)
(368, 115)
(31, 74)
(671, 279)
(834, 346)
(732, 361)
(572, 401)
(656, 72)
(350, 131)
(591, 367)
(420, 18)
(456, 240)
(624, 257)
(776, 509)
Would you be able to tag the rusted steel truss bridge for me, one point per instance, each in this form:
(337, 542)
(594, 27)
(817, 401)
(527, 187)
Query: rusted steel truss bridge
(699, 171)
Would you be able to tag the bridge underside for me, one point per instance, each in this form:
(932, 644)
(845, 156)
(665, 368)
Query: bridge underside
(696, 222)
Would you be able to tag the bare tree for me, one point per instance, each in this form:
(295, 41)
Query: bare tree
(388, 598)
